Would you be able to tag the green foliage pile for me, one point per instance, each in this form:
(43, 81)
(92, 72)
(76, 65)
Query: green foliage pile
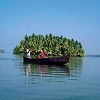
(52, 45)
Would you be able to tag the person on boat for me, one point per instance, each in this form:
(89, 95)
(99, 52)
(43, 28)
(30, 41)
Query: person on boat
(28, 51)
(42, 54)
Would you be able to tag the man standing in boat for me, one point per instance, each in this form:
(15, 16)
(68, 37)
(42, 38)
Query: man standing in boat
(28, 53)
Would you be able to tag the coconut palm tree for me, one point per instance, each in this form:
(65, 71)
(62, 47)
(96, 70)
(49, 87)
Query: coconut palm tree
(53, 45)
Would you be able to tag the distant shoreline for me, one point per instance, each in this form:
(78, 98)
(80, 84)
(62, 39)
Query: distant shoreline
(2, 51)
(92, 55)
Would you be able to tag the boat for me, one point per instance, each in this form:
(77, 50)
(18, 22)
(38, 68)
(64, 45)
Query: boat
(61, 60)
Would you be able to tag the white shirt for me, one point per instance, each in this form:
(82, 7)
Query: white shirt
(28, 54)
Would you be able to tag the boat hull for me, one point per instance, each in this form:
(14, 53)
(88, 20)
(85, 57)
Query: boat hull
(48, 61)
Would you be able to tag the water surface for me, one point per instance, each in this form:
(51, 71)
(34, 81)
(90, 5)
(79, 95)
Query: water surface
(78, 80)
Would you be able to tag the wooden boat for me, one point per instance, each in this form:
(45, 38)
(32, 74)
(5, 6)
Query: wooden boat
(48, 61)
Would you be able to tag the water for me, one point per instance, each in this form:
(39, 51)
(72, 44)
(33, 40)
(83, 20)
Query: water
(78, 80)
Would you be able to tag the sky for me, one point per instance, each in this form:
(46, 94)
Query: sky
(73, 19)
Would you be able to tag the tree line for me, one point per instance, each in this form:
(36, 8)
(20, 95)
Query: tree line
(2, 51)
(52, 45)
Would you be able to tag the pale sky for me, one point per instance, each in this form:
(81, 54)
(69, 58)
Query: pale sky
(73, 19)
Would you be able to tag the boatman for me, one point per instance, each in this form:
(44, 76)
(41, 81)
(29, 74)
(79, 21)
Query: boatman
(28, 53)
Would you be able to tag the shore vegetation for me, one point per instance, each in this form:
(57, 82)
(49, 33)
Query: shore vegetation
(52, 45)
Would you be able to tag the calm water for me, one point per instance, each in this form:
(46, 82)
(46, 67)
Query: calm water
(78, 80)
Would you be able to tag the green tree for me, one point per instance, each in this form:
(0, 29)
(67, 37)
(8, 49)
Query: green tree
(52, 45)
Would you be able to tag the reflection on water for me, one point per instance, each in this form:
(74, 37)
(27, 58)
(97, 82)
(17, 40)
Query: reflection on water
(48, 73)
(53, 73)
(75, 64)
(44, 70)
